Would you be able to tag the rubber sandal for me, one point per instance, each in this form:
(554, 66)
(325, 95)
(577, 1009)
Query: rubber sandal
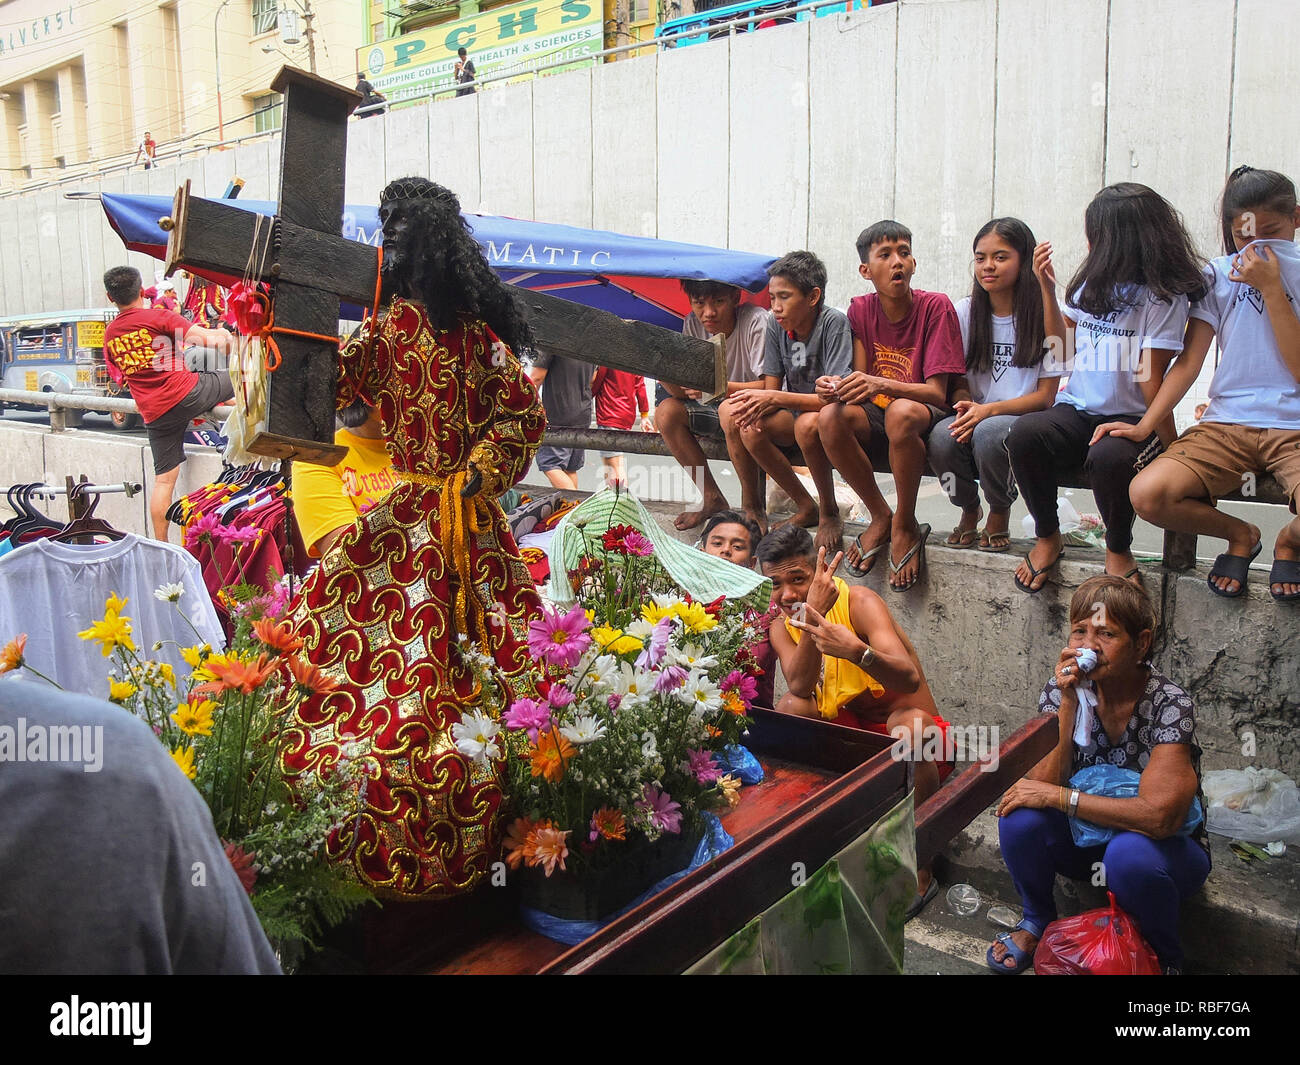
(1235, 568)
(966, 538)
(1034, 574)
(994, 543)
(1023, 958)
(1284, 571)
(858, 570)
(1134, 572)
(923, 534)
(920, 902)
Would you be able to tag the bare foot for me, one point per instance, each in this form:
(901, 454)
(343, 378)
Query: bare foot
(691, 518)
(1287, 549)
(758, 517)
(830, 533)
(1026, 941)
(875, 535)
(1042, 556)
(806, 516)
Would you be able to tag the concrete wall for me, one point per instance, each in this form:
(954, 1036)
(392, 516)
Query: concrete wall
(941, 113)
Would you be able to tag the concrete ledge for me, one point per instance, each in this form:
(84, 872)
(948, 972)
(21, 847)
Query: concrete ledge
(1244, 921)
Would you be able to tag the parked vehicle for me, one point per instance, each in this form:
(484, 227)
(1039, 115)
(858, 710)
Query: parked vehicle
(59, 352)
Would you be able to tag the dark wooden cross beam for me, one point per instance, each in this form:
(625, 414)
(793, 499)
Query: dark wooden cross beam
(313, 267)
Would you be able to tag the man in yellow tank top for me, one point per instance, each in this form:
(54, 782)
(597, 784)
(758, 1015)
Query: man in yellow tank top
(845, 659)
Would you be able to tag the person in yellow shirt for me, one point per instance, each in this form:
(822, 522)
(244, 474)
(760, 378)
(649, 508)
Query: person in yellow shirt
(327, 500)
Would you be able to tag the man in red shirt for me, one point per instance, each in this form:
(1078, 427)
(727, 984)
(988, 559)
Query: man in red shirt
(143, 347)
(620, 400)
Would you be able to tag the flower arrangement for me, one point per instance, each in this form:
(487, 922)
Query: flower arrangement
(641, 688)
(223, 725)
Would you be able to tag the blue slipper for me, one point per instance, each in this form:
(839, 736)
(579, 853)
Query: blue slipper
(1023, 958)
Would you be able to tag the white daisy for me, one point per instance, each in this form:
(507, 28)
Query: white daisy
(693, 657)
(475, 737)
(636, 686)
(701, 693)
(169, 593)
(585, 728)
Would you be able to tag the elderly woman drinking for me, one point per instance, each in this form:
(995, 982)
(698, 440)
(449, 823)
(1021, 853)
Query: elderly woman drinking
(1114, 710)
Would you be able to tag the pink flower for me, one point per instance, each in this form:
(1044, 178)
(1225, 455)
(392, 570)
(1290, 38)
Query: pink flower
(550, 848)
(559, 639)
(700, 764)
(615, 701)
(742, 684)
(202, 529)
(663, 813)
(245, 535)
(657, 646)
(670, 679)
(634, 543)
(560, 696)
(530, 714)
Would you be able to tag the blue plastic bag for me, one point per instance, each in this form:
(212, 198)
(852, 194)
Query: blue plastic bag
(739, 761)
(1111, 780)
(715, 840)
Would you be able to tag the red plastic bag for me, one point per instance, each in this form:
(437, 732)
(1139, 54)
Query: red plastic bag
(1097, 943)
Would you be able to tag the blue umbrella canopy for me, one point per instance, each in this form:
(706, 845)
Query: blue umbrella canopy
(632, 277)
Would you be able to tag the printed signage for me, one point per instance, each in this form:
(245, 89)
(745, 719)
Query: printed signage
(503, 40)
(90, 334)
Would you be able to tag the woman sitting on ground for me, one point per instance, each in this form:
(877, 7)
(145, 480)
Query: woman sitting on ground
(1139, 720)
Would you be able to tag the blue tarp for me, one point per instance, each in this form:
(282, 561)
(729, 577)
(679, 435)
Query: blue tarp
(614, 272)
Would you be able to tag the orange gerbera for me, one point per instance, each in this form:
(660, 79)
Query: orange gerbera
(550, 754)
(247, 677)
(516, 841)
(12, 655)
(277, 636)
(609, 823)
(310, 680)
(550, 847)
(733, 703)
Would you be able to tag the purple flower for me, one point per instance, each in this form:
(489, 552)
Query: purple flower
(663, 813)
(530, 714)
(634, 543)
(701, 765)
(672, 678)
(742, 684)
(615, 701)
(657, 646)
(559, 639)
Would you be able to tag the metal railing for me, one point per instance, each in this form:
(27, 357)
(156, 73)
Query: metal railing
(59, 403)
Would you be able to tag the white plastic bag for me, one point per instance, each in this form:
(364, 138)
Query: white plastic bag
(1255, 805)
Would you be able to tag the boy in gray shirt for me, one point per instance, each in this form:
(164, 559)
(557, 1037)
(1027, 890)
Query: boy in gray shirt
(805, 340)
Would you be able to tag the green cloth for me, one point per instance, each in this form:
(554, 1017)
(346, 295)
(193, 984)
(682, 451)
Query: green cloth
(847, 918)
(705, 577)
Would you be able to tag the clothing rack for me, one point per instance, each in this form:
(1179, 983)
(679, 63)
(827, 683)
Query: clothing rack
(77, 504)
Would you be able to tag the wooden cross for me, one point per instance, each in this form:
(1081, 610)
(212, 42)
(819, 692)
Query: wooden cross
(313, 267)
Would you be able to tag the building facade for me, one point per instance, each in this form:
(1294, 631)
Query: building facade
(83, 81)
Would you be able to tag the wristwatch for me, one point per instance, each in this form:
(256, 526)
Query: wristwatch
(868, 656)
(1074, 803)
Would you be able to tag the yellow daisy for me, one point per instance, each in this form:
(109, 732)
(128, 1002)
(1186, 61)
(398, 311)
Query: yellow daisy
(119, 691)
(195, 719)
(184, 758)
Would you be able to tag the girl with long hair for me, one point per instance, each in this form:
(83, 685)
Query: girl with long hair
(1002, 335)
(1252, 423)
(1126, 311)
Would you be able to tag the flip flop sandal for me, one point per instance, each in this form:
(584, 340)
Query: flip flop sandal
(994, 542)
(923, 532)
(964, 538)
(1284, 571)
(1235, 568)
(857, 569)
(920, 902)
(1023, 958)
(1034, 574)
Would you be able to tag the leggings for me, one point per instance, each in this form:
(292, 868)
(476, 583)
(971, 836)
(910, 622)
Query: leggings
(1051, 444)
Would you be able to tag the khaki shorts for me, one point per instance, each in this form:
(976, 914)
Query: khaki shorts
(1219, 454)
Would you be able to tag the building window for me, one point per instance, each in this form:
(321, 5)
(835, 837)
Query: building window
(264, 15)
(268, 112)
(638, 10)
